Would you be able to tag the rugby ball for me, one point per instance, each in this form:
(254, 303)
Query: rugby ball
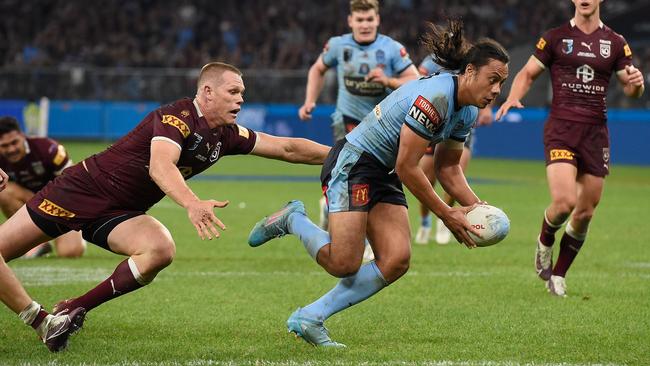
(490, 222)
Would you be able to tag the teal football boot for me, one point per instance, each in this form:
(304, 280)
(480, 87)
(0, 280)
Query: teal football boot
(274, 225)
(311, 330)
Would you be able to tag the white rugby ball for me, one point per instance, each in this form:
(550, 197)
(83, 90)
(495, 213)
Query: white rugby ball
(490, 222)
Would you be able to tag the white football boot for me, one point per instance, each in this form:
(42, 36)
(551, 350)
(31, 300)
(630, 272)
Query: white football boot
(423, 235)
(323, 214)
(368, 254)
(556, 286)
(543, 260)
(443, 235)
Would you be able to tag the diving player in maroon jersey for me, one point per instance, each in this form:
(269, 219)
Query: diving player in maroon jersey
(581, 56)
(31, 163)
(107, 195)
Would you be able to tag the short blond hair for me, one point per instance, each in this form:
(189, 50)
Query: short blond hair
(213, 70)
(363, 5)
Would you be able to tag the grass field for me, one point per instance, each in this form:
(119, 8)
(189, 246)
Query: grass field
(223, 303)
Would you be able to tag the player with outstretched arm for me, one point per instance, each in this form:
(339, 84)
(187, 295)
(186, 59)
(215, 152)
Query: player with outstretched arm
(108, 194)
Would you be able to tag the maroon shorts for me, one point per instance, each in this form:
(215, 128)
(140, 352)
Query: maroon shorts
(586, 146)
(74, 201)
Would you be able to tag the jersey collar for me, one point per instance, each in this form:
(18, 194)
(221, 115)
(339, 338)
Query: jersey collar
(198, 110)
(573, 23)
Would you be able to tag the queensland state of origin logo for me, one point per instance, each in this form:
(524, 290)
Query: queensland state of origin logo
(567, 46)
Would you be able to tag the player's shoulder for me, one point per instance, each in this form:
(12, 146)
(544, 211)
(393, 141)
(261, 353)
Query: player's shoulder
(41, 143)
(386, 41)
(340, 40)
(613, 35)
(557, 32)
(236, 131)
(181, 107)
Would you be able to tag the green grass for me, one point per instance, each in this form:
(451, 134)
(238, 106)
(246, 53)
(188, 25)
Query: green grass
(223, 303)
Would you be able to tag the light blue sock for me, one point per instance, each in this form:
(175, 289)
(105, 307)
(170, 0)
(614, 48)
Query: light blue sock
(427, 220)
(311, 236)
(349, 291)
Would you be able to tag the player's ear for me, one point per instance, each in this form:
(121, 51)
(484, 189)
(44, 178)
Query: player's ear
(470, 70)
(350, 20)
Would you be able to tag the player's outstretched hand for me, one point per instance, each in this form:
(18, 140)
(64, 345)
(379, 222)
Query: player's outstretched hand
(4, 179)
(201, 214)
(457, 223)
(506, 106)
(634, 75)
(305, 111)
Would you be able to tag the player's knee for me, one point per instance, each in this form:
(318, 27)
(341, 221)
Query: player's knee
(583, 216)
(75, 251)
(396, 267)
(564, 205)
(343, 268)
(162, 254)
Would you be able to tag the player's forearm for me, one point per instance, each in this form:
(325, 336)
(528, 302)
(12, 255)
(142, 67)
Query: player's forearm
(416, 182)
(633, 91)
(315, 82)
(171, 182)
(453, 181)
(520, 85)
(305, 151)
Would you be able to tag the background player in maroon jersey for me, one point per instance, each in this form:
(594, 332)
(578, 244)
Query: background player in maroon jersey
(31, 162)
(106, 195)
(581, 55)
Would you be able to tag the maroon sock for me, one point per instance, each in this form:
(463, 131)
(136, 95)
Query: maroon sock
(39, 318)
(547, 235)
(119, 283)
(569, 248)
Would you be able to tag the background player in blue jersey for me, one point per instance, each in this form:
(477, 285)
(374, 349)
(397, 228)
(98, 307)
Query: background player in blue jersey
(443, 235)
(368, 66)
(362, 178)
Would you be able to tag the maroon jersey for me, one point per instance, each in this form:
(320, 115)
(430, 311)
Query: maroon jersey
(44, 160)
(581, 66)
(122, 170)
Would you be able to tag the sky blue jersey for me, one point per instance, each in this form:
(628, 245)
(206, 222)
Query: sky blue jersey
(431, 66)
(353, 61)
(428, 106)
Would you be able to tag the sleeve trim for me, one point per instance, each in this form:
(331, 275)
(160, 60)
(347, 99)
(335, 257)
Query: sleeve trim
(419, 133)
(163, 138)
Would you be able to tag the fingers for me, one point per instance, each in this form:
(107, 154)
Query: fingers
(505, 107)
(219, 204)
(503, 110)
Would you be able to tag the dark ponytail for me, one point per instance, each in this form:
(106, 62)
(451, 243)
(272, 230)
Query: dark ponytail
(448, 46)
(453, 52)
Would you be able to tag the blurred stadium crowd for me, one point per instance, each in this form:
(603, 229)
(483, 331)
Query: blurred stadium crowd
(252, 34)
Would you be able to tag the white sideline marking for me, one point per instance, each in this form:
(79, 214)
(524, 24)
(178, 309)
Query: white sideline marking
(314, 273)
(332, 363)
(638, 265)
(50, 275)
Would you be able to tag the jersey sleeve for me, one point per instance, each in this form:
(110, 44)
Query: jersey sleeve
(169, 125)
(331, 51)
(401, 59)
(239, 140)
(57, 157)
(424, 115)
(623, 54)
(544, 49)
(430, 66)
(462, 129)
